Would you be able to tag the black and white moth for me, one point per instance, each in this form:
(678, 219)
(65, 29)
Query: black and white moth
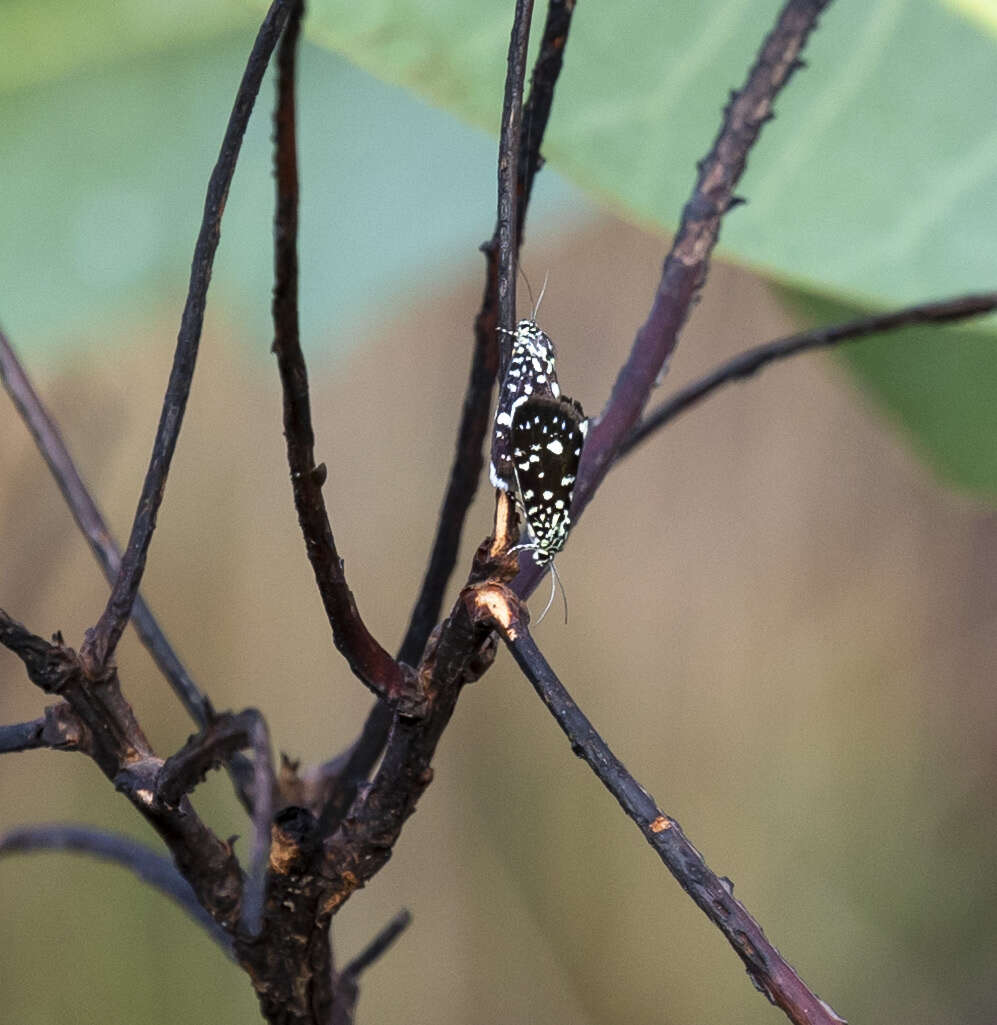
(531, 372)
(547, 438)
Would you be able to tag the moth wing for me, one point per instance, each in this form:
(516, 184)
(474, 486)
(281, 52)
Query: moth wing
(547, 439)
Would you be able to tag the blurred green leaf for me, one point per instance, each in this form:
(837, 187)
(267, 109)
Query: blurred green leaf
(50, 38)
(105, 172)
(876, 185)
(938, 383)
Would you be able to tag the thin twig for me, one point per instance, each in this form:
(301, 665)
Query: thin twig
(59, 729)
(687, 262)
(102, 640)
(508, 165)
(368, 660)
(536, 110)
(150, 867)
(475, 421)
(263, 793)
(508, 238)
(379, 945)
(770, 972)
(752, 360)
(88, 518)
(22, 736)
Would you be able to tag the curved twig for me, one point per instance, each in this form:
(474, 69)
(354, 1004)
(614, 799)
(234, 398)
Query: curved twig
(150, 867)
(102, 640)
(752, 360)
(368, 660)
(770, 972)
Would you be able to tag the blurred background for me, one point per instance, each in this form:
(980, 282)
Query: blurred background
(780, 618)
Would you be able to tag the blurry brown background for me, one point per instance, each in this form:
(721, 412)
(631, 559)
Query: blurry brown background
(778, 618)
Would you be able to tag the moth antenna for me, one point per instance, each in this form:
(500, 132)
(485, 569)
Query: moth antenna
(536, 309)
(550, 600)
(533, 318)
(564, 593)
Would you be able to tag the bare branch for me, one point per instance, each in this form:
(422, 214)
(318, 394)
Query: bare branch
(59, 729)
(150, 867)
(207, 750)
(771, 974)
(536, 110)
(22, 736)
(368, 660)
(263, 810)
(88, 518)
(509, 147)
(102, 640)
(752, 360)
(687, 263)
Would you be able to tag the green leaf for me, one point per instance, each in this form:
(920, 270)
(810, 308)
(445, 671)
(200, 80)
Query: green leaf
(49, 39)
(875, 186)
(938, 383)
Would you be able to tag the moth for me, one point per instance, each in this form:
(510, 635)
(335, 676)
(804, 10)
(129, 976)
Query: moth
(547, 439)
(531, 372)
